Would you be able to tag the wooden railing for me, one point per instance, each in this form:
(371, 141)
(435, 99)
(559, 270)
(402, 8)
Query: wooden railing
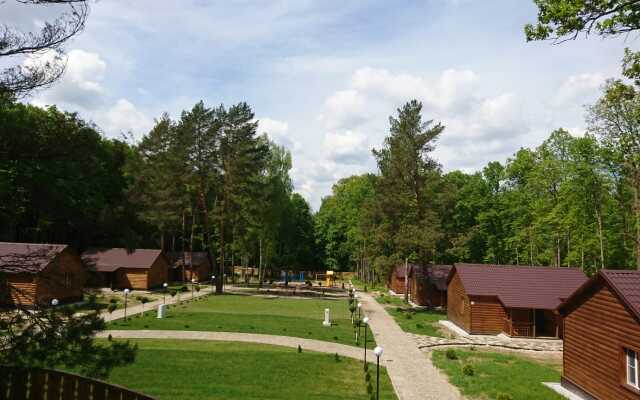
(41, 384)
(518, 328)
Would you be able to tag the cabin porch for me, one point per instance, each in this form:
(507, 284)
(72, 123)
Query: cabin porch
(533, 323)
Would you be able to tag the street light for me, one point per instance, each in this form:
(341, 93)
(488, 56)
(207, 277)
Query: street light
(126, 293)
(359, 307)
(365, 321)
(54, 302)
(164, 292)
(193, 284)
(378, 352)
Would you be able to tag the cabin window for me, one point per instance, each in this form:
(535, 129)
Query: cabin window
(632, 368)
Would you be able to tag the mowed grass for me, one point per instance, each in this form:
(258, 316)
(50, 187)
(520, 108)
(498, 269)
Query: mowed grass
(199, 370)
(418, 321)
(421, 322)
(496, 373)
(255, 314)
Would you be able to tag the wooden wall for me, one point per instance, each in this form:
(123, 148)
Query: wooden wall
(458, 306)
(132, 278)
(487, 315)
(64, 279)
(594, 336)
(396, 284)
(22, 289)
(427, 295)
(158, 273)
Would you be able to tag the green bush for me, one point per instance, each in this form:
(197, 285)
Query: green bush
(369, 387)
(299, 349)
(113, 301)
(504, 396)
(184, 289)
(173, 292)
(451, 354)
(468, 370)
(337, 357)
(112, 307)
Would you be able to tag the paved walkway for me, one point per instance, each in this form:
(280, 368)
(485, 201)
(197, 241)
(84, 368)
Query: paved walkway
(152, 306)
(496, 341)
(413, 375)
(287, 341)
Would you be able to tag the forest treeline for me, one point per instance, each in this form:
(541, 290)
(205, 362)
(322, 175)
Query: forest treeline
(572, 201)
(207, 181)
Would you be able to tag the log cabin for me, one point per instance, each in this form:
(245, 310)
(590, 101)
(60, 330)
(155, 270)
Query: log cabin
(34, 274)
(120, 268)
(428, 285)
(601, 357)
(399, 279)
(515, 300)
(196, 266)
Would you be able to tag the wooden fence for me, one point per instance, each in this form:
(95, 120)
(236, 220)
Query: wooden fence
(42, 384)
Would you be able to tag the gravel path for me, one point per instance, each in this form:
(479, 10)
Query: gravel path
(151, 306)
(287, 341)
(413, 375)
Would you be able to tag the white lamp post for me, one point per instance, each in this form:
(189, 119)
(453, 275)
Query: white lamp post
(193, 284)
(164, 292)
(126, 293)
(365, 320)
(378, 352)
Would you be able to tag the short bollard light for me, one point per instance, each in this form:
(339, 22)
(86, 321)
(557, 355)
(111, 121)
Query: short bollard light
(164, 292)
(327, 318)
(378, 352)
(365, 321)
(126, 293)
(193, 285)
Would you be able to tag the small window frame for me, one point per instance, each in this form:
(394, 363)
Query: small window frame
(627, 368)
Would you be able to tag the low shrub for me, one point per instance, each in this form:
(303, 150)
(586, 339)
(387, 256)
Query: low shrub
(369, 388)
(112, 307)
(337, 357)
(468, 370)
(451, 354)
(113, 301)
(299, 349)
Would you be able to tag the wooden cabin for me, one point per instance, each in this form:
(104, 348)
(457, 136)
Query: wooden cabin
(399, 279)
(120, 268)
(196, 266)
(34, 274)
(428, 285)
(601, 358)
(516, 300)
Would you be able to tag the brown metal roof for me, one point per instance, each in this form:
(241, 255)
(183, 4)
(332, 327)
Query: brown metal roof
(401, 270)
(438, 275)
(520, 286)
(627, 285)
(109, 260)
(27, 257)
(191, 258)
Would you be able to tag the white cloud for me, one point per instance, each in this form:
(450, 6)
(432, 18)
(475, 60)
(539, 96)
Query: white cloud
(81, 84)
(278, 131)
(124, 117)
(579, 88)
(347, 147)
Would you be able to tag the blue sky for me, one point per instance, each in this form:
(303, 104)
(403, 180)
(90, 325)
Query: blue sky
(323, 77)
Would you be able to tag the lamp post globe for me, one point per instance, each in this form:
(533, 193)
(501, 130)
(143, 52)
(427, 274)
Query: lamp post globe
(54, 302)
(365, 320)
(378, 352)
(164, 292)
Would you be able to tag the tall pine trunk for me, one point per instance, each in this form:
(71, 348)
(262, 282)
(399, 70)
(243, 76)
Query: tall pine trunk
(600, 237)
(207, 232)
(184, 239)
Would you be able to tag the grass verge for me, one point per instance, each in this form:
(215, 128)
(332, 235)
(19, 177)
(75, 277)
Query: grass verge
(496, 373)
(198, 370)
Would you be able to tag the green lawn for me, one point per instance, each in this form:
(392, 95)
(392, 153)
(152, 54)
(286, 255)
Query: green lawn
(255, 314)
(495, 373)
(199, 370)
(419, 321)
